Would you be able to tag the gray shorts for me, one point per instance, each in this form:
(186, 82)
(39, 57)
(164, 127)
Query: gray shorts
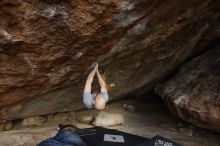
(88, 98)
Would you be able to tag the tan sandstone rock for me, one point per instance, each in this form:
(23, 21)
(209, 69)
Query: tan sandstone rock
(106, 119)
(47, 47)
(87, 119)
(37, 120)
(193, 94)
(8, 125)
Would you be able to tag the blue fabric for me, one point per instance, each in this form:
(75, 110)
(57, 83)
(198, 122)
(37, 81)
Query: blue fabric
(63, 138)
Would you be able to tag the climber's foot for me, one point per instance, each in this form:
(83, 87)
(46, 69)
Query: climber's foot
(112, 85)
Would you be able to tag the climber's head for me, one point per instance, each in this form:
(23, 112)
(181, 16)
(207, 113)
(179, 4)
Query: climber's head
(99, 102)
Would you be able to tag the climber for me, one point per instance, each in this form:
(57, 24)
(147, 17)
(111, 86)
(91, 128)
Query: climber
(94, 100)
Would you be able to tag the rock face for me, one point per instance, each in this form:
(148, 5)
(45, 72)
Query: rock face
(8, 126)
(193, 93)
(47, 47)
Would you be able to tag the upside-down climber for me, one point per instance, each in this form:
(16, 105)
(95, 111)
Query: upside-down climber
(94, 100)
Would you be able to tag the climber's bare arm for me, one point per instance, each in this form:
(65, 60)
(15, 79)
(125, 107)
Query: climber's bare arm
(89, 80)
(101, 82)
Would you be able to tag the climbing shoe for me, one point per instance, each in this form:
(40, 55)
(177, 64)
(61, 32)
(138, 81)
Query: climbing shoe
(112, 85)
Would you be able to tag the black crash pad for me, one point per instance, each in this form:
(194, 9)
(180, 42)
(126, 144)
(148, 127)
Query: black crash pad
(159, 141)
(95, 137)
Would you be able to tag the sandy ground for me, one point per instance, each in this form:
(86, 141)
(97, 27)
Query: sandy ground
(150, 118)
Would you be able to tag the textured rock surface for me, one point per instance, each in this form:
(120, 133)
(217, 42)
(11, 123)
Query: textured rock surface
(87, 119)
(8, 125)
(186, 131)
(47, 47)
(193, 93)
(26, 137)
(153, 119)
(106, 119)
(37, 120)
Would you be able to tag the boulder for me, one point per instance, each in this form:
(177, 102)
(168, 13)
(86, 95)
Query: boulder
(125, 105)
(87, 119)
(106, 119)
(130, 108)
(47, 48)
(193, 93)
(37, 120)
(62, 116)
